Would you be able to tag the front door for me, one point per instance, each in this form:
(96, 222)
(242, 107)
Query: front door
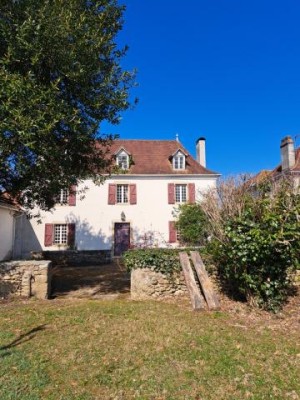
(122, 237)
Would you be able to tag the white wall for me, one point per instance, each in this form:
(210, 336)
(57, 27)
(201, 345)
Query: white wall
(6, 233)
(95, 219)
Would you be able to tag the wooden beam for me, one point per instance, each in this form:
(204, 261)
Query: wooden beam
(205, 282)
(194, 291)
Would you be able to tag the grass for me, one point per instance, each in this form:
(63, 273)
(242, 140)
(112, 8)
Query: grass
(84, 350)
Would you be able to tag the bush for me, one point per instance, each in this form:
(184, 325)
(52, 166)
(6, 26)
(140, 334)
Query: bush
(165, 261)
(259, 246)
(192, 224)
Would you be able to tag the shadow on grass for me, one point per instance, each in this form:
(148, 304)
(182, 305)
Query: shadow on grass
(25, 337)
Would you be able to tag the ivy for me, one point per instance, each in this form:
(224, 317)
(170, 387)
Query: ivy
(261, 247)
(165, 261)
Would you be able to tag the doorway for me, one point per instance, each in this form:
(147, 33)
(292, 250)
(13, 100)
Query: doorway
(121, 238)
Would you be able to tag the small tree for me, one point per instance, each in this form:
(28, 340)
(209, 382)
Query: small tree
(60, 76)
(256, 239)
(191, 224)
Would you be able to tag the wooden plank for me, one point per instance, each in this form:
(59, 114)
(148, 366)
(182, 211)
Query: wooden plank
(194, 291)
(205, 282)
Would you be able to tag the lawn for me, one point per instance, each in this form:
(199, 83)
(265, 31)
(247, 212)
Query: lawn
(88, 349)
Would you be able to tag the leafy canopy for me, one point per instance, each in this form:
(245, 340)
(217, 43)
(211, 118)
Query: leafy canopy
(60, 76)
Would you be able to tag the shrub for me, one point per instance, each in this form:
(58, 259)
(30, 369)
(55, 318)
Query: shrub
(259, 244)
(165, 261)
(192, 224)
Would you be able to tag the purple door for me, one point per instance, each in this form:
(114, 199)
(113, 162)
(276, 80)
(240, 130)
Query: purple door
(122, 237)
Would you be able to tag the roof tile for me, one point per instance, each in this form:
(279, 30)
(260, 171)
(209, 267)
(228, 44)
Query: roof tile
(155, 157)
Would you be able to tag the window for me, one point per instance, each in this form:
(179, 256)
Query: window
(123, 160)
(63, 196)
(60, 234)
(122, 193)
(67, 196)
(179, 160)
(180, 194)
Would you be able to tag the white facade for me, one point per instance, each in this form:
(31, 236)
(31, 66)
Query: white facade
(133, 209)
(7, 230)
(95, 219)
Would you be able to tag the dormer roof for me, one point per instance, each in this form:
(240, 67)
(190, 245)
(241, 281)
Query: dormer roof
(120, 150)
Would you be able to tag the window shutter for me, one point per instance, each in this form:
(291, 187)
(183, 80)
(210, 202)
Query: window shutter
(171, 193)
(71, 235)
(48, 240)
(72, 195)
(191, 192)
(111, 194)
(132, 193)
(172, 232)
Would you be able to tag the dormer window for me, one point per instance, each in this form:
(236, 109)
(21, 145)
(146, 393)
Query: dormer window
(123, 160)
(179, 160)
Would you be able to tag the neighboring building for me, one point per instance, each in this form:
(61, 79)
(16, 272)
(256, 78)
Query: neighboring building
(289, 166)
(9, 212)
(290, 161)
(132, 209)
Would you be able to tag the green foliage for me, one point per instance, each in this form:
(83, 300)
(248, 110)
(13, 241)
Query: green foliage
(192, 224)
(60, 76)
(261, 247)
(165, 261)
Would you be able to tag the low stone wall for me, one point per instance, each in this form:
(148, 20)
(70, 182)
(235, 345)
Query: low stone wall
(25, 278)
(74, 257)
(148, 284)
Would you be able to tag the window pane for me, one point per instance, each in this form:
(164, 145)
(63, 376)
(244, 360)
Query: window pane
(180, 193)
(123, 161)
(178, 162)
(63, 196)
(60, 234)
(122, 193)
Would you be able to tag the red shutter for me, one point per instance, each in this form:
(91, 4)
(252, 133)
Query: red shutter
(171, 193)
(172, 232)
(111, 194)
(71, 235)
(72, 195)
(132, 193)
(48, 240)
(191, 193)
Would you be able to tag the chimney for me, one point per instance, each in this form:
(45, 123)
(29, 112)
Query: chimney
(287, 152)
(200, 151)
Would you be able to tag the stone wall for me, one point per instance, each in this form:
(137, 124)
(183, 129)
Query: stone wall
(148, 284)
(74, 257)
(25, 278)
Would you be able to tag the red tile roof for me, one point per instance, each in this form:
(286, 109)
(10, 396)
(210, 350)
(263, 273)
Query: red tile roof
(155, 157)
(8, 200)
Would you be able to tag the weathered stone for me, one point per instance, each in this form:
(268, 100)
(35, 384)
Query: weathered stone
(25, 278)
(148, 284)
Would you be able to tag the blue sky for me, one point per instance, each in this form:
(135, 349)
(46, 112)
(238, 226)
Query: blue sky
(228, 70)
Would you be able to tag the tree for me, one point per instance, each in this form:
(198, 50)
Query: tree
(60, 77)
(191, 223)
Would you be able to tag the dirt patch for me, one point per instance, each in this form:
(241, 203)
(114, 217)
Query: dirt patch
(108, 280)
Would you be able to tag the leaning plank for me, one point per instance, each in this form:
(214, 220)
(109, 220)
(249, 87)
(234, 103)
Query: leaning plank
(205, 282)
(194, 291)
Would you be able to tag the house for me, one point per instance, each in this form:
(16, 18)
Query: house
(290, 161)
(288, 167)
(9, 213)
(133, 208)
